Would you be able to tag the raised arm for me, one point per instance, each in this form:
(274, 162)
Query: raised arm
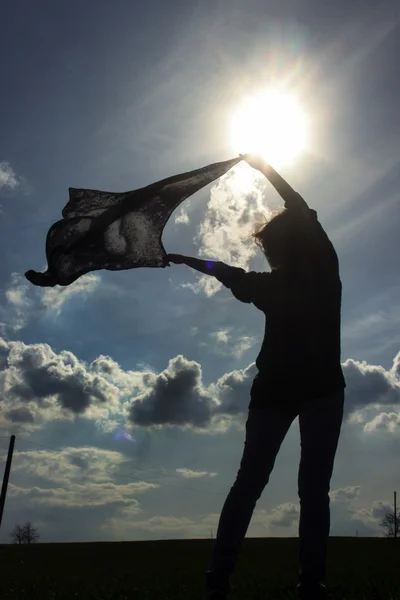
(293, 200)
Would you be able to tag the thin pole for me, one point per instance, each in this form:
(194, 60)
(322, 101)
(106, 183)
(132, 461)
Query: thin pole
(395, 516)
(6, 476)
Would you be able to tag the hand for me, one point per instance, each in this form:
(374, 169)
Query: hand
(177, 259)
(254, 160)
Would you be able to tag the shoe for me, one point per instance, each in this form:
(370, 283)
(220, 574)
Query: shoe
(311, 591)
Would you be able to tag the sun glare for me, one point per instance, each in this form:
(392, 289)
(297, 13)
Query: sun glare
(271, 124)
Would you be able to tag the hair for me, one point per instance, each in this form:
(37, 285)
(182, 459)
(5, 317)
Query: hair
(282, 241)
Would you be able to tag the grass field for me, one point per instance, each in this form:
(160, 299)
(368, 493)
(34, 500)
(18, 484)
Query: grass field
(358, 568)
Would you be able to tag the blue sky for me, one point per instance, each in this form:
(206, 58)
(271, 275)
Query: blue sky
(116, 96)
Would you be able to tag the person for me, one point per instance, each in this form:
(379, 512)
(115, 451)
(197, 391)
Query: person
(299, 374)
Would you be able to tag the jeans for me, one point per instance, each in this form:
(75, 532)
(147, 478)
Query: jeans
(320, 422)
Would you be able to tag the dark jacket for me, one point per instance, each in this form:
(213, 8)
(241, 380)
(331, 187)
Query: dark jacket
(301, 352)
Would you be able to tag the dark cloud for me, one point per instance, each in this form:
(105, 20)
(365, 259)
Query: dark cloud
(3, 354)
(284, 515)
(20, 415)
(177, 397)
(370, 384)
(35, 374)
(233, 390)
(78, 461)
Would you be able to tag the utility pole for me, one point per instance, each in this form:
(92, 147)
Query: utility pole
(6, 476)
(395, 516)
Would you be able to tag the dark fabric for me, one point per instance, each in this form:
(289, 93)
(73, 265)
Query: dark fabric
(320, 423)
(115, 231)
(301, 350)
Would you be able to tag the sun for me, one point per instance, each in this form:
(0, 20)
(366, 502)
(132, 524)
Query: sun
(271, 124)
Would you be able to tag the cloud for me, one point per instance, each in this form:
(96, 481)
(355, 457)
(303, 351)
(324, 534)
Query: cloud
(175, 397)
(68, 465)
(20, 415)
(233, 390)
(370, 384)
(73, 485)
(225, 345)
(188, 474)
(36, 383)
(170, 526)
(8, 177)
(347, 519)
(345, 494)
(25, 301)
(284, 515)
(367, 519)
(206, 284)
(80, 495)
(182, 217)
(195, 405)
(235, 205)
(389, 422)
(19, 306)
(53, 299)
(222, 336)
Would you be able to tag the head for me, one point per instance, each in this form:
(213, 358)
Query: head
(282, 241)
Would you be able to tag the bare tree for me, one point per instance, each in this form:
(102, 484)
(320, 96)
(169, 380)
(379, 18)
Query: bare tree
(17, 535)
(31, 536)
(24, 535)
(391, 523)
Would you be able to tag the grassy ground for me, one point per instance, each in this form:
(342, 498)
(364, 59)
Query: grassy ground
(358, 569)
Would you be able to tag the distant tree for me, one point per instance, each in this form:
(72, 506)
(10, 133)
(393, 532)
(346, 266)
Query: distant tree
(24, 535)
(17, 535)
(391, 524)
(31, 536)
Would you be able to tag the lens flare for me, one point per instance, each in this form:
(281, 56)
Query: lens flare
(122, 435)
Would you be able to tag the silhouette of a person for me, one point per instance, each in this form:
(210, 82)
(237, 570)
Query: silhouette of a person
(299, 374)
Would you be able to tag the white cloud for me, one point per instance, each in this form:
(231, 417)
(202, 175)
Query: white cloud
(16, 314)
(243, 344)
(182, 217)
(80, 495)
(68, 465)
(157, 526)
(222, 336)
(224, 343)
(189, 474)
(389, 422)
(24, 301)
(206, 284)
(39, 384)
(53, 299)
(8, 177)
(345, 494)
(235, 206)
